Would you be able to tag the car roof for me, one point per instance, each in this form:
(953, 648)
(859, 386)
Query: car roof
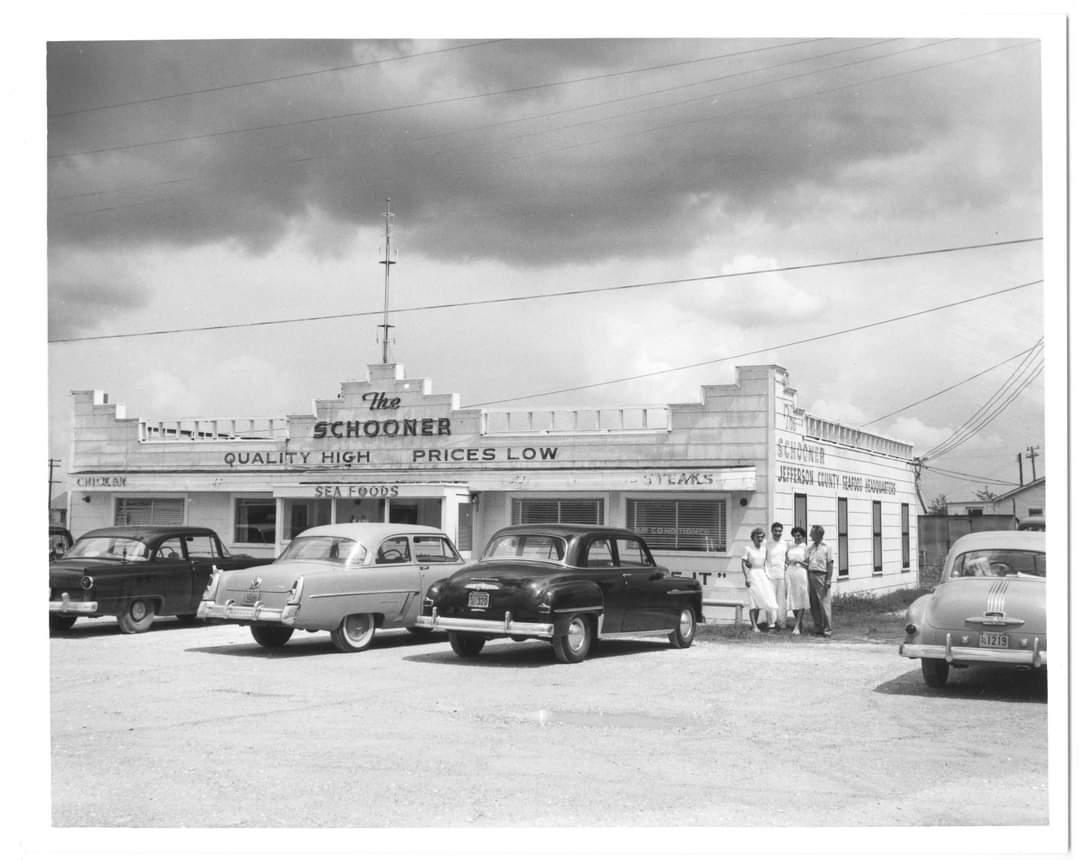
(563, 530)
(368, 532)
(1003, 539)
(148, 532)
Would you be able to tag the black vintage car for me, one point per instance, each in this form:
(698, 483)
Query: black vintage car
(137, 573)
(564, 583)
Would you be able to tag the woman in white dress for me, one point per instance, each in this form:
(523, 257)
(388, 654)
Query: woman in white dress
(798, 585)
(761, 594)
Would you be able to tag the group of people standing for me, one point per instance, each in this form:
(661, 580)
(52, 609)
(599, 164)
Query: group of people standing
(789, 577)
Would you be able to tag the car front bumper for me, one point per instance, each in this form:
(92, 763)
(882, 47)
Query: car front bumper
(506, 627)
(66, 606)
(1035, 657)
(233, 611)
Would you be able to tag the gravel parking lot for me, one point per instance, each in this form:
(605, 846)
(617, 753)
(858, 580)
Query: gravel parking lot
(197, 726)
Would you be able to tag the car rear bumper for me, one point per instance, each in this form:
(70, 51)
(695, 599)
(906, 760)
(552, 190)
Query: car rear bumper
(66, 606)
(233, 611)
(1035, 657)
(506, 627)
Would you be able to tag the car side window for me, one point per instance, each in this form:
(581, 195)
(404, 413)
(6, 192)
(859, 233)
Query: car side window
(393, 550)
(599, 554)
(433, 548)
(200, 546)
(169, 550)
(633, 553)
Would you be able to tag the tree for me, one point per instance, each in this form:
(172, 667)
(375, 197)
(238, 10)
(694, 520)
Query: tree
(938, 505)
(985, 494)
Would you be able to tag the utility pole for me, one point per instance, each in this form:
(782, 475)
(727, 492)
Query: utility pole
(918, 464)
(53, 463)
(1020, 464)
(386, 263)
(1033, 452)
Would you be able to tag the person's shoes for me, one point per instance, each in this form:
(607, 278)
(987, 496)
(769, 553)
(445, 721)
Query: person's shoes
(773, 629)
(795, 631)
(827, 634)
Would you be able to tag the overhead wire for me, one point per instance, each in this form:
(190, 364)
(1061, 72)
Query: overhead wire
(391, 108)
(946, 390)
(566, 293)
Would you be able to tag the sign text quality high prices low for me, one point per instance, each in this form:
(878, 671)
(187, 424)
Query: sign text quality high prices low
(360, 457)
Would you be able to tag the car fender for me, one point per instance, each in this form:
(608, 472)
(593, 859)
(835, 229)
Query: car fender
(568, 598)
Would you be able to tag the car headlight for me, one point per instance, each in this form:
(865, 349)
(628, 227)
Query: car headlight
(86, 583)
(910, 629)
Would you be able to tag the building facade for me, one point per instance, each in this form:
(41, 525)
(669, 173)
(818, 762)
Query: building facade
(693, 478)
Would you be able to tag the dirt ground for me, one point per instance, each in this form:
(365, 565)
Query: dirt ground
(199, 727)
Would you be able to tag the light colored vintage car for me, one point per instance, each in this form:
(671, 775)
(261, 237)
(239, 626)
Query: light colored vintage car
(989, 607)
(348, 578)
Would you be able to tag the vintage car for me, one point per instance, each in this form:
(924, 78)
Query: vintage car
(989, 607)
(60, 541)
(348, 578)
(137, 573)
(566, 584)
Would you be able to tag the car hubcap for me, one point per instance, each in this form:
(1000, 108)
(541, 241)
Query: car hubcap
(138, 610)
(686, 623)
(575, 636)
(356, 626)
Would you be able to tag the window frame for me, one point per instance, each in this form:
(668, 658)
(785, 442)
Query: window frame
(905, 536)
(843, 538)
(876, 530)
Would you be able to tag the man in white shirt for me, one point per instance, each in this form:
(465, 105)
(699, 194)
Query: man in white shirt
(775, 563)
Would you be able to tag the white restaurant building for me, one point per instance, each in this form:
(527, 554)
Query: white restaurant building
(692, 478)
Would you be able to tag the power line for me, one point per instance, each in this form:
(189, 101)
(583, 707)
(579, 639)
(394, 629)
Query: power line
(950, 388)
(400, 107)
(948, 473)
(994, 405)
(258, 81)
(757, 351)
(563, 293)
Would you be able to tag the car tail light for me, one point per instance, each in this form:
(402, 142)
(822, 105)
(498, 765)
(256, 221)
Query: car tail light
(86, 583)
(295, 591)
(211, 584)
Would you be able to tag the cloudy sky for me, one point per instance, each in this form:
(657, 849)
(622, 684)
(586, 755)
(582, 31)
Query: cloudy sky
(659, 210)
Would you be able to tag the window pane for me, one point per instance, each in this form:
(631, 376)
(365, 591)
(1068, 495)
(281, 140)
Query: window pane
(587, 511)
(464, 526)
(201, 546)
(632, 553)
(432, 548)
(255, 521)
(684, 526)
(149, 512)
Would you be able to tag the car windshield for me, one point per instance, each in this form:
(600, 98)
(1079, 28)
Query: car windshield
(117, 548)
(328, 548)
(533, 547)
(999, 562)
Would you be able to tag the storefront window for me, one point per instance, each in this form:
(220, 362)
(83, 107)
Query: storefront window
(905, 536)
(841, 538)
(255, 521)
(876, 517)
(149, 512)
(464, 526)
(679, 525)
(587, 511)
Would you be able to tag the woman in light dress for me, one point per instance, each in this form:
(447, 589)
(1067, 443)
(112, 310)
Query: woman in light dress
(798, 584)
(761, 594)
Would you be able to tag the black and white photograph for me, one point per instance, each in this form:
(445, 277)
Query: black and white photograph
(590, 437)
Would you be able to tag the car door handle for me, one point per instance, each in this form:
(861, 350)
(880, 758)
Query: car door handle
(425, 567)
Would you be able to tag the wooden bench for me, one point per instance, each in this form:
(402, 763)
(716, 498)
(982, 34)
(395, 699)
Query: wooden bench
(729, 597)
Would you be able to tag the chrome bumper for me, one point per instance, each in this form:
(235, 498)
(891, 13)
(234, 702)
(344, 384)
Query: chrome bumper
(66, 606)
(1034, 657)
(506, 627)
(233, 611)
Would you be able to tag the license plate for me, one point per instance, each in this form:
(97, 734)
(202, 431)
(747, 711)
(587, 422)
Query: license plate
(993, 640)
(479, 600)
(251, 598)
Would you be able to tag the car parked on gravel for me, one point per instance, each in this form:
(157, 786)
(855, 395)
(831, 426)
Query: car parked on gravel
(988, 608)
(566, 584)
(348, 578)
(137, 573)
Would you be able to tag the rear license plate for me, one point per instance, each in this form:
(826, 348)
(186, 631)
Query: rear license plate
(993, 640)
(251, 598)
(479, 600)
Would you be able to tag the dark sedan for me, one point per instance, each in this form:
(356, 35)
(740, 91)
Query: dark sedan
(137, 573)
(567, 584)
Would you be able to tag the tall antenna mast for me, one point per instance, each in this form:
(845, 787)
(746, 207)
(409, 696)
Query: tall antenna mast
(386, 263)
